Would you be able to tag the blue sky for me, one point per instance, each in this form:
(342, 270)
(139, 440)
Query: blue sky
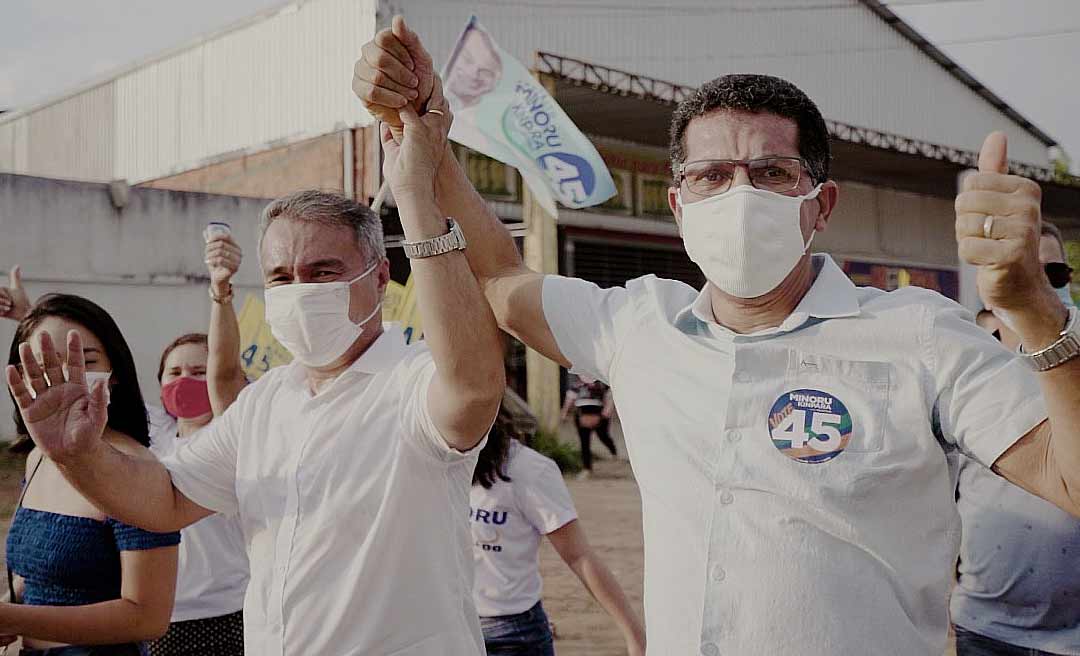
(1024, 50)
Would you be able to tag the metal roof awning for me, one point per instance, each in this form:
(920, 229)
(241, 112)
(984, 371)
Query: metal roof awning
(608, 102)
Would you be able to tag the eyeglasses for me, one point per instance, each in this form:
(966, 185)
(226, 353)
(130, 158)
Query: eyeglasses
(1059, 273)
(709, 177)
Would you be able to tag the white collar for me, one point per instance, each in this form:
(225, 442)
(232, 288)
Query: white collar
(380, 355)
(832, 296)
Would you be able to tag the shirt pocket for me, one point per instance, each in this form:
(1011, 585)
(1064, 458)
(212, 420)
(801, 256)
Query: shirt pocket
(842, 400)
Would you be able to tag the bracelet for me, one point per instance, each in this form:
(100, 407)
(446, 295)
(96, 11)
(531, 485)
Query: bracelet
(1064, 349)
(221, 300)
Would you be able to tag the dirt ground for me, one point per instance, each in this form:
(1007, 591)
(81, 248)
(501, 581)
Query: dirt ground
(609, 509)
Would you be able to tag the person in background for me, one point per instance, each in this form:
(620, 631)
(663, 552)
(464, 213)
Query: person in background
(14, 301)
(200, 377)
(1018, 577)
(518, 497)
(593, 408)
(1052, 255)
(80, 577)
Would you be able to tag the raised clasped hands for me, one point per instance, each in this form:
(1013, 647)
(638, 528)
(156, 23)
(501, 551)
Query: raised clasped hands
(396, 82)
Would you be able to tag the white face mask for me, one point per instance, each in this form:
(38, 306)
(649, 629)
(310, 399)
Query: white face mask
(91, 378)
(745, 240)
(311, 319)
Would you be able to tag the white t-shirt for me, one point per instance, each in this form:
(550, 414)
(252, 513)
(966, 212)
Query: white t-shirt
(212, 571)
(797, 484)
(507, 523)
(353, 506)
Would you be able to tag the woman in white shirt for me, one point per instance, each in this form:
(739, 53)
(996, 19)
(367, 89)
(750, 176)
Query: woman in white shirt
(200, 377)
(519, 496)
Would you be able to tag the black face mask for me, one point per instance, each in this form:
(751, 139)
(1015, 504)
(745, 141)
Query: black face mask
(1059, 273)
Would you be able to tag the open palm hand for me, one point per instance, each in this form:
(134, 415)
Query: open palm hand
(64, 418)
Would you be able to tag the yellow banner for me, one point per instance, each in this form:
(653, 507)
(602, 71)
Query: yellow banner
(409, 315)
(393, 301)
(260, 352)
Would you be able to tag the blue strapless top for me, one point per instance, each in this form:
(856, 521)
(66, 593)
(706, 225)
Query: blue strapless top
(73, 561)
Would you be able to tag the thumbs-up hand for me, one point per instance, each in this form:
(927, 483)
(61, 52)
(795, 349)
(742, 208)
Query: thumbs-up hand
(14, 302)
(998, 222)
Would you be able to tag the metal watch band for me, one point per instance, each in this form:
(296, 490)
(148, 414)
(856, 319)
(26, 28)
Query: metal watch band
(453, 240)
(1064, 349)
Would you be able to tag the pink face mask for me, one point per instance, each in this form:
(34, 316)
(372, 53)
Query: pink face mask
(186, 397)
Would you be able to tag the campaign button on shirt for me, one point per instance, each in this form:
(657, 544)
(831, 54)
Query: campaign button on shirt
(810, 425)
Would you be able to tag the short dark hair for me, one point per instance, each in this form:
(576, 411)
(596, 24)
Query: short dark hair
(127, 411)
(190, 338)
(763, 94)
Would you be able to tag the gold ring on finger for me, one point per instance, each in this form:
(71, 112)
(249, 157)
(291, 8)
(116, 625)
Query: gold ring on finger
(988, 226)
(438, 112)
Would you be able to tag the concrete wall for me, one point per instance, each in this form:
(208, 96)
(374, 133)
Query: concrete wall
(144, 263)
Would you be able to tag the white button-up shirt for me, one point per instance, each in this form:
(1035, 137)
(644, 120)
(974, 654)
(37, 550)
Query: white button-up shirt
(797, 483)
(354, 510)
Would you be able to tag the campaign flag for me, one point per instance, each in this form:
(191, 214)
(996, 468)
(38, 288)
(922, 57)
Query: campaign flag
(504, 112)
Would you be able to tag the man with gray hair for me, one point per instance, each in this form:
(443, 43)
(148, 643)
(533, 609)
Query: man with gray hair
(350, 468)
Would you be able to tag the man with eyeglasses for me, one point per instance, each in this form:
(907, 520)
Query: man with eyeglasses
(1018, 579)
(792, 434)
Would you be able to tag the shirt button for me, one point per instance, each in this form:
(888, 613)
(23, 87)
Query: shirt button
(734, 435)
(726, 497)
(710, 649)
(718, 573)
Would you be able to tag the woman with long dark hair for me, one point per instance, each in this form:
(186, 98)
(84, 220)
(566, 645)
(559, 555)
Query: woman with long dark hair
(518, 496)
(81, 583)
